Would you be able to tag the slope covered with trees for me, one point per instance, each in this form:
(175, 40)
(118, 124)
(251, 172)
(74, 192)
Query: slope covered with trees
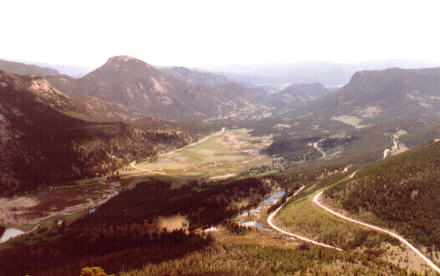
(402, 192)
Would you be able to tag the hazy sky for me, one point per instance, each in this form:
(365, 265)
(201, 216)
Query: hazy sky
(211, 32)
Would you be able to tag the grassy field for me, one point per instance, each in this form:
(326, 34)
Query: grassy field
(226, 155)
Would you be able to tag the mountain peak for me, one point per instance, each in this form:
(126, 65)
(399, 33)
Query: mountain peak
(126, 59)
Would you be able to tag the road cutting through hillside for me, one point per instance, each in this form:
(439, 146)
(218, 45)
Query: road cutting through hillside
(276, 228)
(394, 235)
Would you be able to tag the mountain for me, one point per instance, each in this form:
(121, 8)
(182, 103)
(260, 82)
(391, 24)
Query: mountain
(42, 143)
(374, 97)
(194, 76)
(400, 192)
(140, 87)
(297, 94)
(25, 69)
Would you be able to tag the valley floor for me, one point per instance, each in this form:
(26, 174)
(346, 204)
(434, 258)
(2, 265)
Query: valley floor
(220, 156)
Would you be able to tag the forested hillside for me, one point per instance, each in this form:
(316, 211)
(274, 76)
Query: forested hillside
(402, 192)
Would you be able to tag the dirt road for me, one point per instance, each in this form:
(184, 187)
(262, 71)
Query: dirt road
(276, 228)
(394, 235)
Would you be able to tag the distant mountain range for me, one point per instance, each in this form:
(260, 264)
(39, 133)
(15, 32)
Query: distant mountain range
(125, 88)
(145, 90)
(327, 73)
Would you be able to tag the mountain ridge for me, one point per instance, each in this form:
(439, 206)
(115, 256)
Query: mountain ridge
(25, 69)
(377, 96)
(139, 86)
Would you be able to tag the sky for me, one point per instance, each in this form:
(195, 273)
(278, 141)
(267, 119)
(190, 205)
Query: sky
(209, 32)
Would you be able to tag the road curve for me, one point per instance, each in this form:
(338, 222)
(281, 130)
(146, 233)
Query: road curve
(394, 235)
(276, 228)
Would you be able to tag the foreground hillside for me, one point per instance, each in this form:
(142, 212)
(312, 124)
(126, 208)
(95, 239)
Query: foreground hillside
(41, 144)
(155, 228)
(400, 192)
